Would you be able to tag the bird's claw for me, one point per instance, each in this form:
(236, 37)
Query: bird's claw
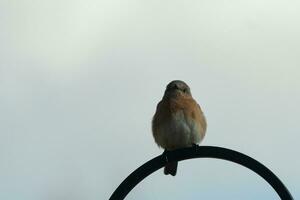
(165, 154)
(195, 146)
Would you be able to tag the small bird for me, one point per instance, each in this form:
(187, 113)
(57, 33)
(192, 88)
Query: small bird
(178, 121)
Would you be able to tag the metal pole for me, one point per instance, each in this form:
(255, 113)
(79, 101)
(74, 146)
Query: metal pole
(200, 152)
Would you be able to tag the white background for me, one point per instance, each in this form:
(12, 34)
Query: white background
(80, 80)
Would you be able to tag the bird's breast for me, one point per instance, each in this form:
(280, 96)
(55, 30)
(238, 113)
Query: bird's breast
(178, 131)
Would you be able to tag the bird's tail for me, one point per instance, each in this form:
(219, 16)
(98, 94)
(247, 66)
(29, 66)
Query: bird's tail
(171, 168)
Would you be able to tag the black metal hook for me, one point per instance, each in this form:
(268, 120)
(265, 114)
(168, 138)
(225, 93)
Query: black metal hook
(200, 152)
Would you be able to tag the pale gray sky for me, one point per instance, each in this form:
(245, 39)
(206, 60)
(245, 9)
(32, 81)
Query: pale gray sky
(80, 80)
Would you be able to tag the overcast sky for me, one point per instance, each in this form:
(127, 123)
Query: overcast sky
(80, 80)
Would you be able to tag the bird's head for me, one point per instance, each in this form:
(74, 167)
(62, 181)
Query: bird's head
(177, 87)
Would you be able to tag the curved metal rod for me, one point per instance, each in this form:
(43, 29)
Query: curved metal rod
(200, 152)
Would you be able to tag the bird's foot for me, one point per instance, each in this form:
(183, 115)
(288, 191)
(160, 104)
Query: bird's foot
(195, 146)
(165, 155)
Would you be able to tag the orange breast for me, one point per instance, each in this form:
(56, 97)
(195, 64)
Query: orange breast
(169, 106)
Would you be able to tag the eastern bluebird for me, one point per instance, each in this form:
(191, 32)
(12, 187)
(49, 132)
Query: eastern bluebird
(178, 121)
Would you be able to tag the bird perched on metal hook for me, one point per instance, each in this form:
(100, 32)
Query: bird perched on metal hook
(178, 121)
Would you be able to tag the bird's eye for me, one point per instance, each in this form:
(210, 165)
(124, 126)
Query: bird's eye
(184, 90)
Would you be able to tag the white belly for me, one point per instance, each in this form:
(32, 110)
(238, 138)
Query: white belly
(179, 132)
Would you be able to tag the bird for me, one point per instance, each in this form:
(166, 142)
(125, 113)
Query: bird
(178, 121)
